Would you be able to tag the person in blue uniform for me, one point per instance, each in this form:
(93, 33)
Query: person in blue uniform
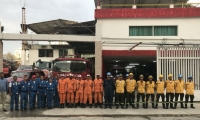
(109, 87)
(46, 78)
(14, 94)
(56, 97)
(42, 84)
(50, 92)
(24, 87)
(33, 92)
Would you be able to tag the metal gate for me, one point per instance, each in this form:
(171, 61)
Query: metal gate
(177, 60)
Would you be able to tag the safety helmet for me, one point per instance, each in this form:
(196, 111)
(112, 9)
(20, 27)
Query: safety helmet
(190, 77)
(130, 74)
(141, 75)
(180, 76)
(150, 76)
(127, 75)
(160, 76)
(120, 75)
(108, 74)
(88, 75)
(170, 75)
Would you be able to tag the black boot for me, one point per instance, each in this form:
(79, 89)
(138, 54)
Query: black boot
(146, 106)
(72, 105)
(163, 105)
(152, 105)
(182, 105)
(122, 106)
(90, 105)
(133, 105)
(137, 106)
(192, 106)
(156, 107)
(96, 105)
(63, 105)
(126, 106)
(100, 105)
(143, 105)
(167, 105)
(171, 105)
(75, 105)
(110, 106)
(117, 106)
(175, 106)
(69, 106)
(185, 106)
(60, 105)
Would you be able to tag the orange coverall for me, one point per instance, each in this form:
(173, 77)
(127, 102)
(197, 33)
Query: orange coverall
(98, 90)
(66, 80)
(70, 91)
(88, 89)
(62, 90)
(79, 91)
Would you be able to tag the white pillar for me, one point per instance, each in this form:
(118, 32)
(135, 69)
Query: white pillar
(1, 52)
(23, 57)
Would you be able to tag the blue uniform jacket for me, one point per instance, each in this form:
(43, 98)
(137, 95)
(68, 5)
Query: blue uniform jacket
(55, 82)
(41, 85)
(109, 86)
(15, 87)
(24, 86)
(50, 88)
(33, 86)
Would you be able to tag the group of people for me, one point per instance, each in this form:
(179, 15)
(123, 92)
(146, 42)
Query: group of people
(72, 91)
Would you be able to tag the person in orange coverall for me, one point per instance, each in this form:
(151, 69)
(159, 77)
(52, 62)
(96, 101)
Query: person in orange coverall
(88, 90)
(79, 91)
(70, 91)
(62, 91)
(98, 91)
(67, 102)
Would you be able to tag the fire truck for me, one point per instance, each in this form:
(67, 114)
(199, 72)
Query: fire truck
(75, 66)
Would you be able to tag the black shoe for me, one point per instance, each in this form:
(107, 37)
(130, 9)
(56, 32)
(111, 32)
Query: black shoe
(22, 110)
(122, 107)
(192, 106)
(110, 107)
(133, 106)
(117, 106)
(126, 106)
(96, 105)
(25, 109)
(100, 105)
(11, 109)
(174, 108)
(75, 105)
(31, 108)
(17, 109)
(166, 107)
(90, 105)
(84, 105)
(105, 107)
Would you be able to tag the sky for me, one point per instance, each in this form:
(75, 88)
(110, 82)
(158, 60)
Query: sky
(39, 11)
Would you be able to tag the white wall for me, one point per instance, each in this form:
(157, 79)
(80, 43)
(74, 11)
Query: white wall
(188, 28)
(33, 56)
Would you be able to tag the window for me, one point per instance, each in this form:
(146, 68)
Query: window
(140, 31)
(63, 52)
(165, 30)
(153, 30)
(45, 52)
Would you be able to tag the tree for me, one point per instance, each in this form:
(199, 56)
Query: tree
(9, 56)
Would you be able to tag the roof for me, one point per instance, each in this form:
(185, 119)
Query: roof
(72, 59)
(128, 2)
(61, 26)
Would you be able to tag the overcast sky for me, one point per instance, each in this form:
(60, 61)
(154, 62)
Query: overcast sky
(39, 11)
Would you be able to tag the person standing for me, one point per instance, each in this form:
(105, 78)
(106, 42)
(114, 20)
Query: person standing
(179, 90)
(70, 91)
(130, 88)
(98, 92)
(160, 88)
(120, 85)
(109, 87)
(79, 92)
(42, 84)
(14, 94)
(141, 91)
(56, 97)
(24, 89)
(88, 90)
(50, 92)
(62, 91)
(3, 90)
(189, 87)
(33, 92)
(150, 86)
(169, 85)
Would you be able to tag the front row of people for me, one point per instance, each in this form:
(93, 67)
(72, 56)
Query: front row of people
(72, 91)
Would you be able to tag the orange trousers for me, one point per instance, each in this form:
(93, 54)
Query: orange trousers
(62, 97)
(70, 97)
(79, 97)
(66, 98)
(97, 97)
(87, 97)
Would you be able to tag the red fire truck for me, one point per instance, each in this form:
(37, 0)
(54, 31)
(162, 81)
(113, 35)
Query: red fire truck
(75, 66)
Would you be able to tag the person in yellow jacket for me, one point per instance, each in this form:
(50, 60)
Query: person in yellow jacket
(160, 87)
(189, 87)
(130, 88)
(120, 85)
(179, 90)
(169, 85)
(150, 86)
(141, 91)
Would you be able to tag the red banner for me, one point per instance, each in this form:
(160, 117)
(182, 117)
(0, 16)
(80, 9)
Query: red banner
(147, 13)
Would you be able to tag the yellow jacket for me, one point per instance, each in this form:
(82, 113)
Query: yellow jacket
(189, 87)
(120, 86)
(141, 86)
(130, 85)
(179, 86)
(160, 87)
(169, 85)
(150, 87)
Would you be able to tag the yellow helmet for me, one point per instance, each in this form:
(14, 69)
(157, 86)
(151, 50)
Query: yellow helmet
(130, 74)
(170, 75)
(150, 76)
(160, 76)
(141, 76)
